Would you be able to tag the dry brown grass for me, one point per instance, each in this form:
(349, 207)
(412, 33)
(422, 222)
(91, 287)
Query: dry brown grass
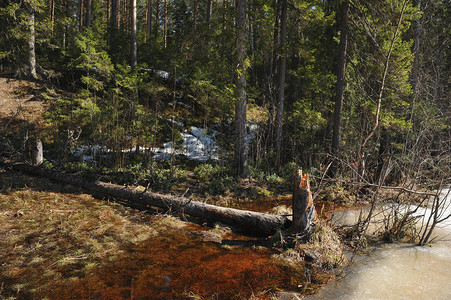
(49, 237)
(21, 99)
(324, 249)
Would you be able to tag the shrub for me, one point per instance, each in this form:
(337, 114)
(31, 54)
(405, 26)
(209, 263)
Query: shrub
(274, 179)
(207, 172)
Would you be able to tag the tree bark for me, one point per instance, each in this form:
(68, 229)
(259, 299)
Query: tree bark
(209, 9)
(241, 105)
(281, 93)
(272, 71)
(304, 213)
(362, 149)
(114, 20)
(195, 13)
(416, 53)
(52, 13)
(340, 86)
(124, 15)
(31, 45)
(108, 11)
(80, 16)
(165, 25)
(149, 17)
(157, 17)
(248, 221)
(37, 153)
(133, 46)
(114, 8)
(88, 13)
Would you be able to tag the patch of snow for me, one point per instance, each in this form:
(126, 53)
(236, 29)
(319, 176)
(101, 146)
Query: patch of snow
(88, 158)
(184, 105)
(173, 121)
(88, 153)
(251, 129)
(162, 74)
(165, 152)
(196, 145)
(83, 150)
(133, 150)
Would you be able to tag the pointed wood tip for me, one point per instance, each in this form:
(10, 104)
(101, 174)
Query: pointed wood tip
(304, 182)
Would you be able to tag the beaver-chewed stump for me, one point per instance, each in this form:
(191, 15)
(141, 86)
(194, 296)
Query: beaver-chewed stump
(304, 213)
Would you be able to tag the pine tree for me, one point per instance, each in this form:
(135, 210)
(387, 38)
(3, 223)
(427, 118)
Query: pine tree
(241, 105)
(281, 85)
(340, 85)
(133, 47)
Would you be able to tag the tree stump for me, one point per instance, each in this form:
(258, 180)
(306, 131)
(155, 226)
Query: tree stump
(303, 209)
(37, 153)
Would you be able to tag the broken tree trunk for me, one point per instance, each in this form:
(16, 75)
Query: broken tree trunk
(304, 213)
(248, 221)
(37, 153)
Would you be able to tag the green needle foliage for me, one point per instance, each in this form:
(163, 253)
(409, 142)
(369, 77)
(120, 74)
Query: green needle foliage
(187, 67)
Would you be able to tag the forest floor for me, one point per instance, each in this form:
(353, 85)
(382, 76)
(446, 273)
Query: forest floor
(58, 242)
(22, 101)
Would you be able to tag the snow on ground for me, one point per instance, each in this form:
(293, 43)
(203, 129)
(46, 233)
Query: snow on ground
(88, 153)
(196, 145)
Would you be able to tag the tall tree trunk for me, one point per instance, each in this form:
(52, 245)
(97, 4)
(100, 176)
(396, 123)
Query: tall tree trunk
(272, 69)
(241, 105)
(195, 5)
(362, 149)
(149, 17)
(133, 46)
(108, 11)
(165, 25)
(114, 9)
(124, 15)
(88, 13)
(81, 15)
(416, 52)
(209, 9)
(224, 19)
(281, 93)
(31, 45)
(66, 26)
(52, 14)
(157, 18)
(414, 75)
(340, 85)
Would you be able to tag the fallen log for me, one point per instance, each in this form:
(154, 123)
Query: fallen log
(248, 221)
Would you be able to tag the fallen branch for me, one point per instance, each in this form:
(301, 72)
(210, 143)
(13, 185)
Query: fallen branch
(383, 187)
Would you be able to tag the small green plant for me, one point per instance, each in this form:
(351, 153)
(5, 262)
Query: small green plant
(337, 193)
(256, 173)
(78, 166)
(207, 172)
(274, 179)
(161, 178)
(263, 192)
(289, 171)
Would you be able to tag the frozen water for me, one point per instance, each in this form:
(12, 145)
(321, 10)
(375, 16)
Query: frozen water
(398, 271)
